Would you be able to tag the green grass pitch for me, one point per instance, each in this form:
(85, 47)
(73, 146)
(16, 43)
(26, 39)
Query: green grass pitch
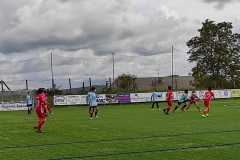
(124, 132)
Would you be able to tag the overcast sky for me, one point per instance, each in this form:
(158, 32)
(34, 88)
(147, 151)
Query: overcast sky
(83, 34)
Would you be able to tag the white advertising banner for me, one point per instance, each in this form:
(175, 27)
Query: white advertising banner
(162, 96)
(101, 99)
(235, 93)
(200, 94)
(146, 97)
(13, 106)
(76, 99)
(219, 94)
(140, 97)
(60, 100)
(134, 97)
(111, 98)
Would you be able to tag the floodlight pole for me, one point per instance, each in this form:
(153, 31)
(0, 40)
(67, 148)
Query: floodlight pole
(83, 86)
(172, 67)
(2, 90)
(70, 85)
(113, 67)
(53, 84)
(90, 82)
(27, 85)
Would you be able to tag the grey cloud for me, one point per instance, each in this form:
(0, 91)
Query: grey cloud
(83, 33)
(220, 3)
(104, 27)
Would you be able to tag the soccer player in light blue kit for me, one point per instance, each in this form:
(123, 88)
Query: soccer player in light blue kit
(92, 102)
(182, 102)
(29, 101)
(155, 99)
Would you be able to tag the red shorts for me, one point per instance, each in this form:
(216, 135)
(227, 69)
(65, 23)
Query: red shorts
(193, 102)
(170, 103)
(40, 113)
(207, 103)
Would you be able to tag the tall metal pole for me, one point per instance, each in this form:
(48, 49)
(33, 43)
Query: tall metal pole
(110, 82)
(113, 72)
(27, 85)
(2, 90)
(70, 85)
(83, 86)
(53, 84)
(172, 67)
(90, 82)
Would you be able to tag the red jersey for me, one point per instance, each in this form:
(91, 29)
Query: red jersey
(194, 98)
(41, 103)
(46, 95)
(46, 103)
(208, 96)
(169, 95)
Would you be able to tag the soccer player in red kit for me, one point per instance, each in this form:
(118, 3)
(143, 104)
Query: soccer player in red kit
(193, 100)
(169, 100)
(47, 105)
(41, 109)
(208, 97)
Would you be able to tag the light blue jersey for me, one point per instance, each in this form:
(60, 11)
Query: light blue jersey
(92, 99)
(155, 96)
(29, 100)
(183, 98)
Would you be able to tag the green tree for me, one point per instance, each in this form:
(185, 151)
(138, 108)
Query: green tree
(126, 82)
(216, 52)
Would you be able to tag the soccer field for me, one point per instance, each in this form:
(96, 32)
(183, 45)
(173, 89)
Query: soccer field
(124, 132)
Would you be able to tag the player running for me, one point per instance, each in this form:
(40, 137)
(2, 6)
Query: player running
(182, 102)
(41, 109)
(169, 100)
(208, 97)
(29, 101)
(92, 102)
(193, 100)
